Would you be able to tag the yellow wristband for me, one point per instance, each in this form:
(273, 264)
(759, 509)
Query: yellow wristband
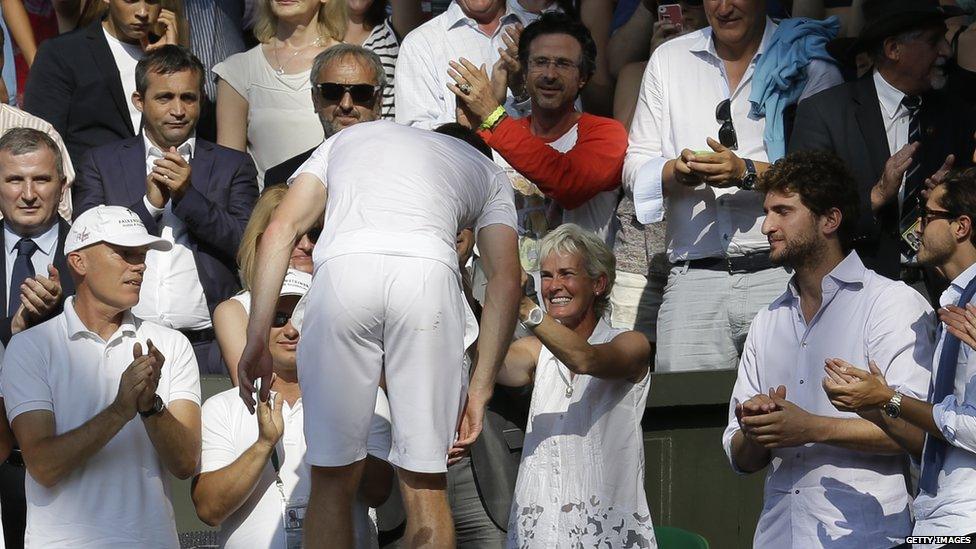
(492, 119)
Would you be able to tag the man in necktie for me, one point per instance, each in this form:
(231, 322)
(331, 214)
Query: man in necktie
(942, 429)
(893, 128)
(31, 184)
(32, 180)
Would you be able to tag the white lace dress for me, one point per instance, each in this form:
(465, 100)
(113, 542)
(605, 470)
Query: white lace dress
(581, 480)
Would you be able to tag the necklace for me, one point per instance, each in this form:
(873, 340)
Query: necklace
(567, 382)
(281, 66)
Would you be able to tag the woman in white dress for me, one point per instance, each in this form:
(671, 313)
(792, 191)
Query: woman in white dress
(264, 95)
(581, 480)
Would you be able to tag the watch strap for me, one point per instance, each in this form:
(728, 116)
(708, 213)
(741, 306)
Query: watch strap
(156, 408)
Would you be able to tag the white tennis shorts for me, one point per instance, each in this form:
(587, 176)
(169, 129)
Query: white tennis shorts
(367, 312)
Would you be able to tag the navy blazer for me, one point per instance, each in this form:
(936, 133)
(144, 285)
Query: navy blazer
(847, 121)
(75, 85)
(60, 263)
(216, 207)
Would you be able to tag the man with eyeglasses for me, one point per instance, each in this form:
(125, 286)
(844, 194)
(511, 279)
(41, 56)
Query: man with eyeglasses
(196, 194)
(694, 155)
(347, 88)
(573, 158)
(253, 475)
(940, 430)
(894, 129)
(834, 479)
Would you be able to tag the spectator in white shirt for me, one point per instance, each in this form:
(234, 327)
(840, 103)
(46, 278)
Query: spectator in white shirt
(946, 503)
(253, 472)
(697, 87)
(473, 29)
(835, 479)
(73, 386)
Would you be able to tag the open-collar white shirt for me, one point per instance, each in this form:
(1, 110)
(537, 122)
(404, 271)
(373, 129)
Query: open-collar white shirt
(172, 294)
(819, 495)
(684, 82)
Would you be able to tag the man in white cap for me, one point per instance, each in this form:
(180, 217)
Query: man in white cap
(253, 474)
(105, 406)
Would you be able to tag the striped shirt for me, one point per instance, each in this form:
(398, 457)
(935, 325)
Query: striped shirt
(11, 117)
(383, 42)
(216, 33)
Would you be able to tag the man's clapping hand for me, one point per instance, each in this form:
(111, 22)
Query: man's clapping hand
(138, 379)
(39, 296)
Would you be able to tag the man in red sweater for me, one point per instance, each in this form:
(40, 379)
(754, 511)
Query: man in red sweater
(573, 158)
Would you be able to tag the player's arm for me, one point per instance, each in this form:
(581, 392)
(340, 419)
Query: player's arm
(302, 207)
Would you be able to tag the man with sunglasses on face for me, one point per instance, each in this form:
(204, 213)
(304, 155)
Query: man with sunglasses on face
(940, 430)
(347, 88)
(694, 155)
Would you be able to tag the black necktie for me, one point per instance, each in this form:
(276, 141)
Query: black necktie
(23, 269)
(914, 178)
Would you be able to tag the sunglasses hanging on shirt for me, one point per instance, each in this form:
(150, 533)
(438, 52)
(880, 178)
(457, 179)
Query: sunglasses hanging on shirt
(726, 133)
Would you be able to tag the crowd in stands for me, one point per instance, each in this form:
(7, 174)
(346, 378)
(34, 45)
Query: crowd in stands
(782, 187)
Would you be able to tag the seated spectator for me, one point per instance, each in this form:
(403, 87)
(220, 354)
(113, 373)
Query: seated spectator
(81, 82)
(253, 470)
(230, 317)
(72, 387)
(348, 86)
(473, 29)
(892, 129)
(32, 181)
(945, 505)
(579, 365)
(264, 94)
(834, 477)
(195, 194)
(12, 117)
(573, 158)
(368, 25)
(676, 169)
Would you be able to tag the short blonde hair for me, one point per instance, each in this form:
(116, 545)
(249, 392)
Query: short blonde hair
(598, 258)
(331, 21)
(260, 217)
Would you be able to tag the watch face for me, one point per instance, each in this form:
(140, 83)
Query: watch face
(892, 410)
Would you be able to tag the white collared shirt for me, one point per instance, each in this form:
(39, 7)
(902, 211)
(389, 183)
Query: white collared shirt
(952, 510)
(120, 496)
(172, 294)
(47, 246)
(894, 114)
(229, 430)
(126, 57)
(422, 97)
(683, 84)
(819, 495)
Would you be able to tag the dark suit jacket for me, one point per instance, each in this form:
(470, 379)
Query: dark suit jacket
(67, 284)
(847, 121)
(278, 175)
(75, 85)
(216, 207)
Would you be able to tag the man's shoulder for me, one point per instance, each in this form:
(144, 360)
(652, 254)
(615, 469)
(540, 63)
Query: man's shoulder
(885, 292)
(69, 44)
(33, 341)
(111, 150)
(223, 154)
(834, 97)
(592, 122)
(228, 402)
(684, 45)
(427, 33)
(161, 335)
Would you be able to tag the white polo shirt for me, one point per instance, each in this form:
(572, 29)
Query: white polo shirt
(120, 496)
(229, 430)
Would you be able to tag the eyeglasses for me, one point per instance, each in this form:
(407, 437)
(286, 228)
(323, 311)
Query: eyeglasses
(280, 319)
(561, 64)
(726, 134)
(360, 93)
(926, 215)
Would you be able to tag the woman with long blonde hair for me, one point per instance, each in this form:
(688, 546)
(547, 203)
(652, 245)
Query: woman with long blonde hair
(264, 95)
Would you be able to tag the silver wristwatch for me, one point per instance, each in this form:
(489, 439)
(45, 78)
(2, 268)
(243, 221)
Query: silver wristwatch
(534, 318)
(893, 407)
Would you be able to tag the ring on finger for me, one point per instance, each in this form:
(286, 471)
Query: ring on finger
(465, 88)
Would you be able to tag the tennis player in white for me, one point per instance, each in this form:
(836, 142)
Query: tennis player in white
(385, 299)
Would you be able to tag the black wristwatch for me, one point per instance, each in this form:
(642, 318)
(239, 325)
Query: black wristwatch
(748, 181)
(157, 407)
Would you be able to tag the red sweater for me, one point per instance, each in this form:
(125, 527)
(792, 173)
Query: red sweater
(592, 166)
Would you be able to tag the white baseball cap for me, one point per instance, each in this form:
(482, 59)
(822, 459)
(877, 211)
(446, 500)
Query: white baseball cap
(295, 283)
(114, 225)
